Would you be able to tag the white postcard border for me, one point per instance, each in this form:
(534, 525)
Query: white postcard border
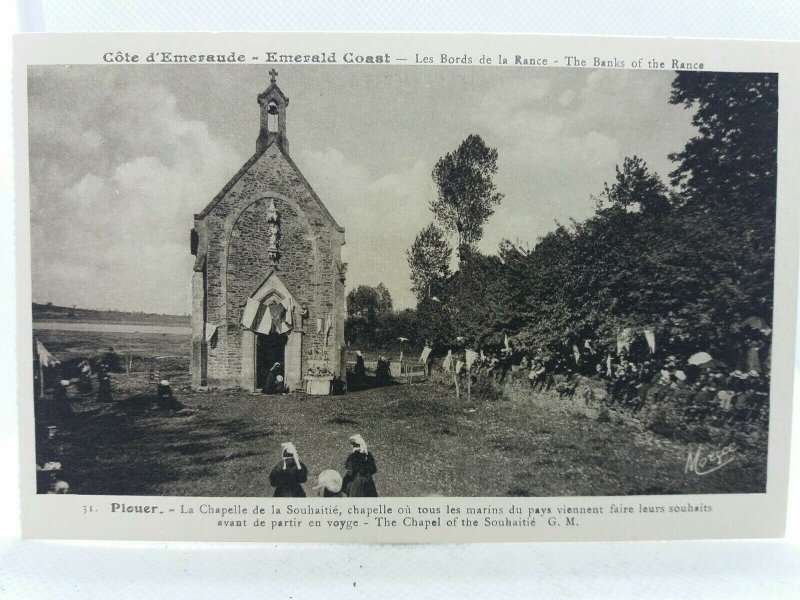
(732, 515)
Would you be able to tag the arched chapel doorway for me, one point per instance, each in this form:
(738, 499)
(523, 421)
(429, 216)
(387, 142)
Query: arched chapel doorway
(270, 349)
(271, 333)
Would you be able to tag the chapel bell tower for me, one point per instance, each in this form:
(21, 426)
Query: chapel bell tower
(273, 116)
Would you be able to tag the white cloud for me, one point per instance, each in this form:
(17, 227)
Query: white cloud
(145, 172)
(122, 158)
(567, 97)
(381, 214)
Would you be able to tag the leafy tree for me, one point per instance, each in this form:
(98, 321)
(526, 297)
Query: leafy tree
(466, 191)
(429, 260)
(369, 310)
(636, 187)
(393, 326)
(734, 157)
(368, 302)
(476, 299)
(690, 263)
(363, 301)
(692, 272)
(728, 176)
(384, 298)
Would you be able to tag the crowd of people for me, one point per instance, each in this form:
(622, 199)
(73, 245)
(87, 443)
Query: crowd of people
(85, 379)
(96, 382)
(730, 392)
(699, 388)
(56, 406)
(289, 475)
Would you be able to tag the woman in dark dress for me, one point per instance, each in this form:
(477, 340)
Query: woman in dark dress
(103, 387)
(274, 384)
(360, 370)
(383, 373)
(165, 399)
(59, 404)
(359, 469)
(85, 385)
(288, 475)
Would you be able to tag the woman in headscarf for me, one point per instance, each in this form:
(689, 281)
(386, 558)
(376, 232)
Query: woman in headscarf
(383, 373)
(360, 370)
(165, 398)
(274, 382)
(359, 469)
(103, 386)
(85, 384)
(288, 475)
(59, 406)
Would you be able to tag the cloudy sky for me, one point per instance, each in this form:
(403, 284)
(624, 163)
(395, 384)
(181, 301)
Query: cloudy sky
(122, 157)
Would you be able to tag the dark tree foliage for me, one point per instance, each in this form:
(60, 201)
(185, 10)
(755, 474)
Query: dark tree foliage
(384, 298)
(727, 177)
(466, 191)
(367, 307)
(435, 320)
(371, 322)
(367, 301)
(476, 299)
(385, 331)
(636, 187)
(429, 261)
(690, 265)
(733, 158)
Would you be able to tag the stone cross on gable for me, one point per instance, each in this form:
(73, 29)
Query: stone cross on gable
(273, 75)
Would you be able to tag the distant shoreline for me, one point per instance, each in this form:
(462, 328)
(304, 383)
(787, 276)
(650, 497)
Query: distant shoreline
(111, 327)
(47, 313)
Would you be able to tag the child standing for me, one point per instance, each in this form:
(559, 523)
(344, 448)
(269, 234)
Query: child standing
(360, 467)
(329, 484)
(288, 475)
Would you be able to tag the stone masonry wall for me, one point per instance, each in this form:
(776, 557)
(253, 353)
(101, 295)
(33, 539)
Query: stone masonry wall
(237, 262)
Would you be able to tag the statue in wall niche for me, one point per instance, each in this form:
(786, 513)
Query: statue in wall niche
(274, 234)
(273, 231)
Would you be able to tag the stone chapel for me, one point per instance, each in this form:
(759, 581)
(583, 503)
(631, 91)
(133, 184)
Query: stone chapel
(268, 280)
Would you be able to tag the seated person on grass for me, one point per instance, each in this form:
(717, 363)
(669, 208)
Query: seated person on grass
(165, 399)
(274, 384)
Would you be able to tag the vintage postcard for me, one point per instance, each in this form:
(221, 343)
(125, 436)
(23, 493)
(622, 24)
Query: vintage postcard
(405, 288)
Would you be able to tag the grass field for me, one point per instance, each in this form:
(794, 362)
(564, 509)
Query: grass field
(424, 440)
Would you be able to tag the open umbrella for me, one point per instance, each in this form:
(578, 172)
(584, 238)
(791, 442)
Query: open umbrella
(714, 363)
(699, 358)
(755, 323)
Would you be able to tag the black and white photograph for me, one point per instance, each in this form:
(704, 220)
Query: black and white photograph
(360, 280)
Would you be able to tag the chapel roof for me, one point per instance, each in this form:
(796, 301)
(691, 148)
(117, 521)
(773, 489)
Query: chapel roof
(273, 90)
(248, 165)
